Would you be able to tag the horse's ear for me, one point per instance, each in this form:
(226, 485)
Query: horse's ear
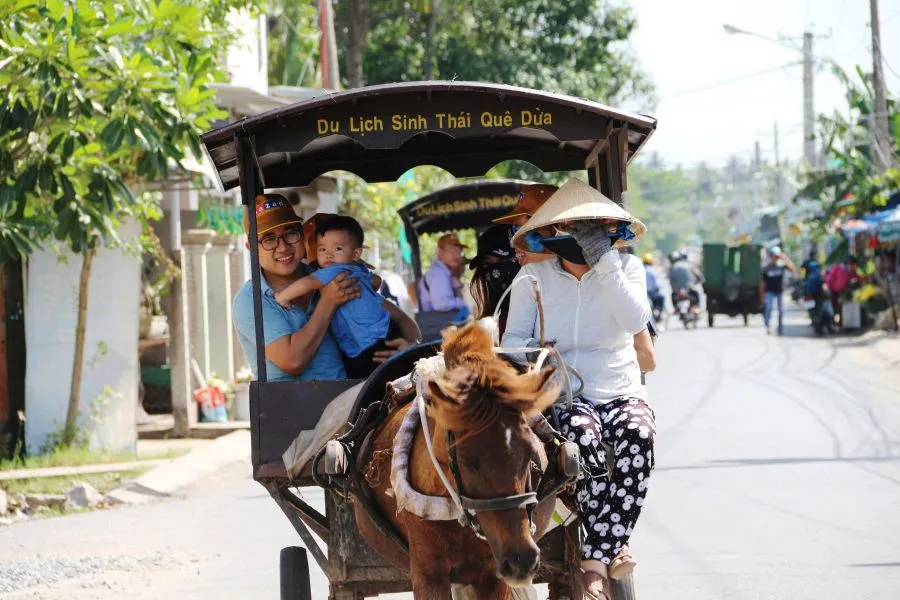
(543, 389)
(440, 395)
(448, 332)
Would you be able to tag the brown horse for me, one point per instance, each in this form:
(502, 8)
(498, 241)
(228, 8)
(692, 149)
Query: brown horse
(486, 404)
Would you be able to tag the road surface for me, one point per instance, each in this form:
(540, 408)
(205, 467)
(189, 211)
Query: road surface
(778, 478)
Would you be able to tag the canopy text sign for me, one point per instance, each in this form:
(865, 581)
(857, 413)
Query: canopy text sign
(389, 121)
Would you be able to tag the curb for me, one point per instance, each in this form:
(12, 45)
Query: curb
(164, 480)
(80, 469)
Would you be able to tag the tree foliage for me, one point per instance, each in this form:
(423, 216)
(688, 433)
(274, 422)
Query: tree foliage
(578, 47)
(293, 44)
(853, 176)
(99, 97)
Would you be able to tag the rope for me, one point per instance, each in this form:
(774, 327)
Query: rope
(423, 421)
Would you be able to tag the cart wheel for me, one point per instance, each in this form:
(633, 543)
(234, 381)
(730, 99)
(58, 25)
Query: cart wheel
(746, 319)
(623, 589)
(294, 569)
(710, 318)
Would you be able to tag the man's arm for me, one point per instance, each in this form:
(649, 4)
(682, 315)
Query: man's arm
(788, 263)
(292, 353)
(443, 297)
(698, 273)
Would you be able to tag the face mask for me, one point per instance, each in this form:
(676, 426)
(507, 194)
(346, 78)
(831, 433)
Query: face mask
(565, 247)
(500, 276)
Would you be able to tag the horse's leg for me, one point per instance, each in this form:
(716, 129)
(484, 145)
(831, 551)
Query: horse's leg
(492, 588)
(429, 586)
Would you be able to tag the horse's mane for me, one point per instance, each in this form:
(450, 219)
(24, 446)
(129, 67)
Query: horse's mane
(477, 384)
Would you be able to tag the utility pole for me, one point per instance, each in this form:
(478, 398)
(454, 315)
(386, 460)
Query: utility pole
(777, 191)
(881, 133)
(328, 47)
(809, 113)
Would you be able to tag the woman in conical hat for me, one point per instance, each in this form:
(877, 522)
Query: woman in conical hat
(595, 304)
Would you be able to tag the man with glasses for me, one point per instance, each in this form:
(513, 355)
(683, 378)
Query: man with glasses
(298, 342)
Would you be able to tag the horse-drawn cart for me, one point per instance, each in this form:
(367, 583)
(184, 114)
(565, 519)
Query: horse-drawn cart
(378, 133)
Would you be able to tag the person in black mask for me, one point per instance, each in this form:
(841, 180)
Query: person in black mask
(495, 268)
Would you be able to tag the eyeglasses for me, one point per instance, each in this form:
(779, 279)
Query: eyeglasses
(290, 237)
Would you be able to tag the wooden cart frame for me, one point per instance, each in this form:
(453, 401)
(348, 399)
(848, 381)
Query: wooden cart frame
(378, 133)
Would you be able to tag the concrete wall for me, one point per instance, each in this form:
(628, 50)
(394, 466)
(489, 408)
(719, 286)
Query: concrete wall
(112, 319)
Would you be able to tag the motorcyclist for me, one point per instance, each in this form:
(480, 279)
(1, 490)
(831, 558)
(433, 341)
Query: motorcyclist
(657, 300)
(684, 275)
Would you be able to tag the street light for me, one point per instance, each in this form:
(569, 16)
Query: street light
(732, 30)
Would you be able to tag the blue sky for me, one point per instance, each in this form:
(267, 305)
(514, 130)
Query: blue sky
(683, 46)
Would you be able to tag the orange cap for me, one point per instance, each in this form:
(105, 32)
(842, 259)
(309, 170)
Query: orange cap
(531, 197)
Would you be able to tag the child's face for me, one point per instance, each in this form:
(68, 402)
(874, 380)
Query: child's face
(336, 247)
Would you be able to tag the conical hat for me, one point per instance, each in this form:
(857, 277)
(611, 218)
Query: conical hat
(577, 201)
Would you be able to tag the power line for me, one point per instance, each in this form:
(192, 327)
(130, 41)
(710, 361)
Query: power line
(723, 82)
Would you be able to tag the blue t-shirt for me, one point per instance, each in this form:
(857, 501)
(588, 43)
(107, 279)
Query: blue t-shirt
(363, 321)
(326, 363)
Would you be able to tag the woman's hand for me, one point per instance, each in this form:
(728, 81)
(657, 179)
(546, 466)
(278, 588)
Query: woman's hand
(394, 346)
(341, 289)
(592, 236)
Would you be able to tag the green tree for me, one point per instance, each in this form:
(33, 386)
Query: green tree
(853, 173)
(578, 47)
(293, 44)
(99, 98)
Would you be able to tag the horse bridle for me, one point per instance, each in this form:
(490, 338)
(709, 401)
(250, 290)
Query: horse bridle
(561, 470)
(472, 506)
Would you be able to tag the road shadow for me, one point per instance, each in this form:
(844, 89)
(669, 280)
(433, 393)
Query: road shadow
(756, 462)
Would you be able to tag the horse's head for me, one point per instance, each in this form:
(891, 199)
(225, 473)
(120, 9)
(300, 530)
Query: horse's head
(486, 406)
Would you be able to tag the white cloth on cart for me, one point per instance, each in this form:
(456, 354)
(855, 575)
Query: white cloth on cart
(334, 418)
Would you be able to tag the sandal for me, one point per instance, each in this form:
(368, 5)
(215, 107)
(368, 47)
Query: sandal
(594, 586)
(623, 564)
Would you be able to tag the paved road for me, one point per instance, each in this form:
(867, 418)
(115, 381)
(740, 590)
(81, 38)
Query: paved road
(778, 478)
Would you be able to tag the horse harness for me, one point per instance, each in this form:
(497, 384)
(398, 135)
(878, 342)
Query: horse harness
(561, 471)
(563, 464)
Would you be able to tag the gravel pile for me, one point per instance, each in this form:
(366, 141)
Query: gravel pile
(48, 571)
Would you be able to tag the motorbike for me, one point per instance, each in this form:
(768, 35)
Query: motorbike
(657, 309)
(686, 307)
(821, 313)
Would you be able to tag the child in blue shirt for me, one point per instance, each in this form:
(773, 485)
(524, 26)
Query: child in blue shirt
(360, 325)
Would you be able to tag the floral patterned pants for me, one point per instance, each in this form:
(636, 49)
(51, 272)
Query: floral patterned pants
(610, 503)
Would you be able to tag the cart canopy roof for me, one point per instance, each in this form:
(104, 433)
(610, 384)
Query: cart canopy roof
(469, 205)
(380, 132)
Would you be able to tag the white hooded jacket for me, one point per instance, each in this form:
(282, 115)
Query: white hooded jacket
(592, 321)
